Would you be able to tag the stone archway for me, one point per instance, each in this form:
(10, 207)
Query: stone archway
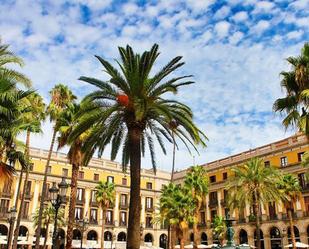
(148, 238)
(122, 236)
(92, 235)
(108, 236)
(163, 241)
(204, 240)
(261, 237)
(296, 232)
(77, 234)
(275, 238)
(23, 231)
(243, 237)
(3, 230)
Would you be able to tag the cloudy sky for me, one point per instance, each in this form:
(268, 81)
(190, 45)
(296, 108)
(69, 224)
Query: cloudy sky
(235, 49)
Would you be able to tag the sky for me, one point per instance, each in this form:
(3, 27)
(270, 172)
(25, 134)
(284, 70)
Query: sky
(235, 49)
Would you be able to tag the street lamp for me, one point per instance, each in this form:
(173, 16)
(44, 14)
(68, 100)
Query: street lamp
(82, 225)
(11, 220)
(57, 196)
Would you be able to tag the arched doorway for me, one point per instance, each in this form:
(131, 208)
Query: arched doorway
(122, 236)
(3, 230)
(77, 234)
(163, 241)
(61, 238)
(43, 232)
(296, 232)
(275, 238)
(204, 239)
(191, 237)
(108, 236)
(148, 238)
(92, 235)
(243, 237)
(261, 237)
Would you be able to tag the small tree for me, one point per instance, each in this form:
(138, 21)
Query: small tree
(219, 228)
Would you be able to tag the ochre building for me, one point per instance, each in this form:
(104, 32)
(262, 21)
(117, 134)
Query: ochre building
(285, 154)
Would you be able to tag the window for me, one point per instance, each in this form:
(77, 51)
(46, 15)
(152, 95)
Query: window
(65, 172)
(109, 217)
(213, 196)
(96, 177)
(93, 215)
(213, 214)
(284, 161)
(28, 188)
(93, 196)
(149, 203)
(148, 222)
(4, 206)
(31, 167)
(78, 213)
(110, 179)
(49, 168)
(80, 194)
(149, 185)
(267, 163)
(123, 200)
(212, 179)
(80, 175)
(123, 218)
(202, 217)
(7, 186)
(300, 156)
(25, 212)
(124, 181)
(224, 176)
(225, 194)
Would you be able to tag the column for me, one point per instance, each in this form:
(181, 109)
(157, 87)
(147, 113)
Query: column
(299, 211)
(143, 210)
(87, 202)
(263, 211)
(36, 195)
(116, 209)
(219, 203)
(207, 209)
(279, 207)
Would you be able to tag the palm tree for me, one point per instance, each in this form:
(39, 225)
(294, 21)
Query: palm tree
(48, 217)
(289, 185)
(196, 183)
(219, 227)
(253, 184)
(67, 122)
(177, 210)
(296, 84)
(105, 195)
(305, 163)
(129, 111)
(61, 97)
(32, 124)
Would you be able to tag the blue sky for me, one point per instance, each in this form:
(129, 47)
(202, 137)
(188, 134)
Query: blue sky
(235, 49)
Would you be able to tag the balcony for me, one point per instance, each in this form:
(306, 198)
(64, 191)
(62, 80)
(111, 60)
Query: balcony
(46, 198)
(123, 205)
(202, 225)
(123, 224)
(94, 204)
(5, 193)
(273, 217)
(93, 222)
(149, 225)
(223, 202)
(25, 217)
(80, 201)
(213, 203)
(4, 214)
(149, 209)
(241, 220)
(109, 223)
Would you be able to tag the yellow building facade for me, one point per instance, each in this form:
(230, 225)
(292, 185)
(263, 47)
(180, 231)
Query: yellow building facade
(285, 154)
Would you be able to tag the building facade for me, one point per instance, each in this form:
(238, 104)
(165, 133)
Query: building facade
(285, 154)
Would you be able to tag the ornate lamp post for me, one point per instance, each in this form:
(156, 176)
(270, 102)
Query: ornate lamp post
(11, 221)
(82, 225)
(57, 196)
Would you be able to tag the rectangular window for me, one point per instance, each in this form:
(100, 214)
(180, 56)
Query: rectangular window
(80, 194)
(213, 196)
(28, 188)
(93, 196)
(149, 203)
(80, 175)
(267, 163)
(4, 206)
(123, 218)
(284, 161)
(65, 172)
(7, 187)
(212, 179)
(109, 217)
(78, 213)
(96, 177)
(148, 222)
(124, 181)
(300, 156)
(213, 214)
(225, 194)
(93, 215)
(49, 169)
(25, 212)
(202, 217)
(224, 176)
(110, 179)
(123, 200)
(149, 185)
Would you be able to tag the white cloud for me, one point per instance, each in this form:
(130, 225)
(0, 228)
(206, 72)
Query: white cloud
(236, 37)
(300, 4)
(222, 12)
(240, 16)
(295, 34)
(263, 6)
(261, 26)
(222, 29)
(130, 8)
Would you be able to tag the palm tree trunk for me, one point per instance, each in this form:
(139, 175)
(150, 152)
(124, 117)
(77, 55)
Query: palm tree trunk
(46, 236)
(174, 154)
(18, 187)
(195, 228)
(134, 239)
(102, 228)
(173, 236)
(21, 206)
(291, 226)
(257, 220)
(75, 168)
(38, 229)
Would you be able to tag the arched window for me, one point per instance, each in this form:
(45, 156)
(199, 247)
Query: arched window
(192, 237)
(296, 232)
(204, 239)
(3, 230)
(77, 234)
(275, 238)
(61, 234)
(261, 237)
(92, 235)
(163, 241)
(43, 232)
(148, 238)
(108, 236)
(122, 236)
(243, 237)
(23, 231)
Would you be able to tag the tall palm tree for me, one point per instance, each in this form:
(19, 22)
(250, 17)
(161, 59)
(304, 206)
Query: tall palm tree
(67, 122)
(32, 124)
(219, 227)
(176, 209)
(105, 195)
(196, 183)
(289, 185)
(61, 97)
(295, 82)
(130, 111)
(254, 184)
(48, 217)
